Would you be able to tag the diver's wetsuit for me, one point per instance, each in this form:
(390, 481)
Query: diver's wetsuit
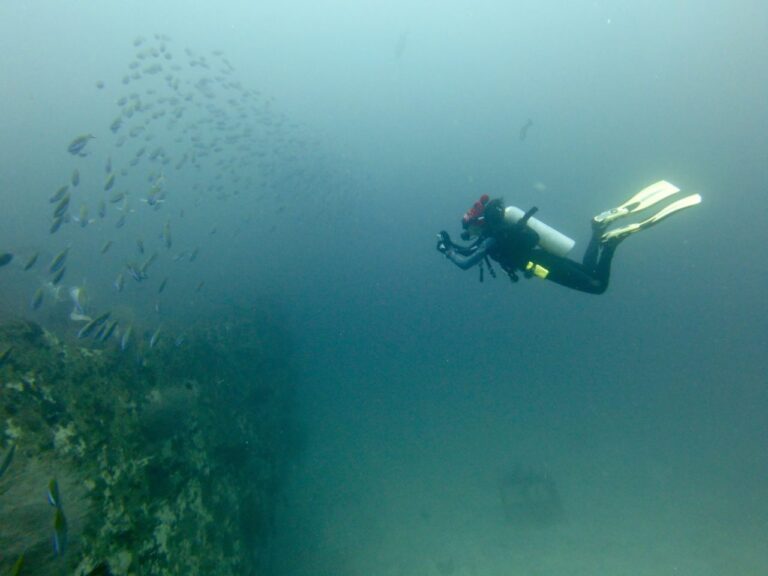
(514, 248)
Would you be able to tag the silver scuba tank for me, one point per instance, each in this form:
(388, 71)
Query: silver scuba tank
(549, 239)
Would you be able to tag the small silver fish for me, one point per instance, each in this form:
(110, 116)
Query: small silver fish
(58, 276)
(54, 496)
(56, 224)
(524, 129)
(109, 182)
(125, 340)
(75, 180)
(89, 328)
(135, 272)
(167, 234)
(79, 298)
(37, 299)
(62, 206)
(155, 197)
(155, 338)
(60, 533)
(100, 331)
(147, 263)
(58, 261)
(162, 286)
(119, 282)
(106, 246)
(82, 218)
(78, 144)
(3, 359)
(108, 331)
(18, 565)
(58, 195)
(75, 316)
(31, 261)
(116, 197)
(7, 459)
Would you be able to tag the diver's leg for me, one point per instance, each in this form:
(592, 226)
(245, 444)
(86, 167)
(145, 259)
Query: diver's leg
(593, 248)
(602, 273)
(573, 274)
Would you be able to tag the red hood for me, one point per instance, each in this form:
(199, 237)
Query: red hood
(473, 216)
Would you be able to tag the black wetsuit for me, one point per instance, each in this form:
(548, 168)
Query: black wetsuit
(516, 249)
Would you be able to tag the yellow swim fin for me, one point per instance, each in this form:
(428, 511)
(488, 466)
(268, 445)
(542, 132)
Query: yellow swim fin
(646, 198)
(621, 233)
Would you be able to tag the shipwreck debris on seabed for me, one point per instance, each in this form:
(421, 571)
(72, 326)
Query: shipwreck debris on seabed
(170, 466)
(530, 499)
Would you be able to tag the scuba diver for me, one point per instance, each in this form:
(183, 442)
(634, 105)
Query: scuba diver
(519, 242)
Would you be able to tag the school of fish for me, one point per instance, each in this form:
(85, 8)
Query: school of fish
(186, 135)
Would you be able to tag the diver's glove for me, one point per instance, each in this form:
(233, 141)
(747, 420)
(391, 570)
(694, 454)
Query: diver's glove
(444, 242)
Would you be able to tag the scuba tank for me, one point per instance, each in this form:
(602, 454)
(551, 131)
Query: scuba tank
(550, 239)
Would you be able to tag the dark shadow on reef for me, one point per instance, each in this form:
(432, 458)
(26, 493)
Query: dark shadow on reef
(167, 465)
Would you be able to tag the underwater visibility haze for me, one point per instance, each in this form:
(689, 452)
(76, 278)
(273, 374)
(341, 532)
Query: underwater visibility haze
(229, 346)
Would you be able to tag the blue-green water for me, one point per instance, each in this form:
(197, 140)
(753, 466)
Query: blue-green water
(326, 143)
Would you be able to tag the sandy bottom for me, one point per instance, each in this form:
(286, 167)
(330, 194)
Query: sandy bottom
(412, 488)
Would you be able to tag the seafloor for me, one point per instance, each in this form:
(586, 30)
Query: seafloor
(167, 462)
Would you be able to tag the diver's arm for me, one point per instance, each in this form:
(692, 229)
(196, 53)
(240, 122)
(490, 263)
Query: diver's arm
(444, 242)
(457, 255)
(465, 250)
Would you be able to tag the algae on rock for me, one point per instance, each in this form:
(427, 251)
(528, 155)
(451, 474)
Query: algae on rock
(166, 466)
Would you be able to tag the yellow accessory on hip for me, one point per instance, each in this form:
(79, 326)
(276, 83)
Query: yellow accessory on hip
(538, 271)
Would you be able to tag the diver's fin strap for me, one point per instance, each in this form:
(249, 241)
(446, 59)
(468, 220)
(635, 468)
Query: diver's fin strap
(646, 198)
(676, 206)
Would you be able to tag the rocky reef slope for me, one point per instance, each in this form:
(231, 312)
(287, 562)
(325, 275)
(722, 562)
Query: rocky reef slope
(165, 461)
